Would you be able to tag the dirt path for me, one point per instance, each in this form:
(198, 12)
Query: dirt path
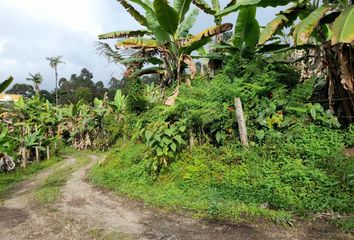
(87, 212)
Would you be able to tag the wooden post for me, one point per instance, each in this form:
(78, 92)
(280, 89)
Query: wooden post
(23, 148)
(24, 157)
(241, 122)
(37, 148)
(37, 154)
(191, 139)
(48, 152)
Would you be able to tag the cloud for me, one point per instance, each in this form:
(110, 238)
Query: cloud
(74, 15)
(36, 29)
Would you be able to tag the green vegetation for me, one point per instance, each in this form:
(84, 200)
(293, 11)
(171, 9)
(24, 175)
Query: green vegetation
(170, 126)
(49, 191)
(101, 234)
(346, 224)
(294, 166)
(9, 180)
(5, 84)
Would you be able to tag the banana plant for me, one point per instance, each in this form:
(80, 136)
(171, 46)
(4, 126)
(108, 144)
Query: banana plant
(6, 144)
(165, 34)
(235, 6)
(247, 29)
(328, 22)
(328, 29)
(212, 9)
(118, 105)
(244, 39)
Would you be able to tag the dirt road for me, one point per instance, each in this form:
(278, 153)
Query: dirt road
(84, 211)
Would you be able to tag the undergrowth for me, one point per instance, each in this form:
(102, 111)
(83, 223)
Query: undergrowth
(239, 184)
(294, 166)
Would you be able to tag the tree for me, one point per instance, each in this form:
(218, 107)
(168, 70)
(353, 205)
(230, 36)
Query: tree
(47, 95)
(23, 89)
(53, 63)
(166, 36)
(246, 30)
(37, 80)
(80, 86)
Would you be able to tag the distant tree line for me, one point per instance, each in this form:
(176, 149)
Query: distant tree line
(79, 86)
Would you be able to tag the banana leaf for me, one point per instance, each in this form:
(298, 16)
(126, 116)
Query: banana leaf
(343, 27)
(124, 34)
(306, 27)
(5, 84)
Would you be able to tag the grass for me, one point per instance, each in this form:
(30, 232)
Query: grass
(49, 190)
(292, 178)
(9, 180)
(174, 192)
(101, 234)
(346, 225)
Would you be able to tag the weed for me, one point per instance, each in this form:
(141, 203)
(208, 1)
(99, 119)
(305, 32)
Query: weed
(49, 191)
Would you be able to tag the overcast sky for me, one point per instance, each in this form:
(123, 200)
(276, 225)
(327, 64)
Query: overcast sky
(31, 30)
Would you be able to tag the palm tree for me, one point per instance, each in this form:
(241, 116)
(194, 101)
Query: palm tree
(53, 63)
(37, 79)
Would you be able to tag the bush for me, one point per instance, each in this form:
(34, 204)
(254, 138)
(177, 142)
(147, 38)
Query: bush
(293, 174)
(294, 163)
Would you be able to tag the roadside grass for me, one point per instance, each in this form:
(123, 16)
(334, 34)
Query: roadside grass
(9, 180)
(101, 234)
(272, 183)
(122, 174)
(346, 225)
(49, 190)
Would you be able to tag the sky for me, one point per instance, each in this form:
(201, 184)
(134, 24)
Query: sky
(31, 30)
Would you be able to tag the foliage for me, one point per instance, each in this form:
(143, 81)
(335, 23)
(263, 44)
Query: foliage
(80, 87)
(168, 29)
(323, 30)
(37, 79)
(22, 89)
(187, 155)
(298, 176)
(5, 84)
(32, 129)
(294, 165)
(165, 141)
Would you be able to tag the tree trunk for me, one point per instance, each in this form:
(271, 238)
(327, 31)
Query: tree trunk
(56, 86)
(340, 69)
(36, 87)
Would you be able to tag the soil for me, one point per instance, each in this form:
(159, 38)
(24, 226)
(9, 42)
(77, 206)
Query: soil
(349, 152)
(88, 212)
